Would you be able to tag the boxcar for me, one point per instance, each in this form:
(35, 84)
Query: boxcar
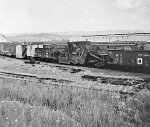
(21, 51)
(13, 49)
(130, 60)
(8, 49)
(51, 53)
(31, 50)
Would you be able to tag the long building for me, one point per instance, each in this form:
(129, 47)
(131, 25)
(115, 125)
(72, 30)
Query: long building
(127, 37)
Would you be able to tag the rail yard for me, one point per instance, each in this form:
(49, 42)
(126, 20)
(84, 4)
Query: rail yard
(75, 63)
(70, 75)
(75, 84)
(36, 84)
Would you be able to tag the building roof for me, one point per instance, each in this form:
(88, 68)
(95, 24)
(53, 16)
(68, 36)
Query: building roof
(118, 34)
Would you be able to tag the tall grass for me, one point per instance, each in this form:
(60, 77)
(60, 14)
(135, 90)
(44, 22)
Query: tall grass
(74, 106)
(15, 114)
(137, 110)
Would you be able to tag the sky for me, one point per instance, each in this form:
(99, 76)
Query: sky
(34, 16)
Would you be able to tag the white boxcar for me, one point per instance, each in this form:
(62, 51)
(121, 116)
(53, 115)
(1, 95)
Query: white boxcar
(21, 51)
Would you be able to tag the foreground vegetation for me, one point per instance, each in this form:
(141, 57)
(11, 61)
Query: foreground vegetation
(34, 104)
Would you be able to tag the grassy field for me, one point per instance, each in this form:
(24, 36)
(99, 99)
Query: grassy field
(34, 104)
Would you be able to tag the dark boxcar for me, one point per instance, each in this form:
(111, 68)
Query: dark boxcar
(48, 53)
(43, 52)
(132, 60)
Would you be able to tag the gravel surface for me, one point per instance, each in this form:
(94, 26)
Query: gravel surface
(71, 75)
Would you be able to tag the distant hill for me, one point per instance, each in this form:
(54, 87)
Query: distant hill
(44, 37)
(35, 37)
(76, 33)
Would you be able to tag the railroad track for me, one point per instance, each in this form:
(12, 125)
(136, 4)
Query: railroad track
(140, 84)
(30, 76)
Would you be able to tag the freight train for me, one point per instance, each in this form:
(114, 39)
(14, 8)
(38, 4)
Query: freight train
(134, 58)
(78, 53)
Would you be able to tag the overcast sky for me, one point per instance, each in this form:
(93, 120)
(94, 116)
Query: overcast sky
(28, 16)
